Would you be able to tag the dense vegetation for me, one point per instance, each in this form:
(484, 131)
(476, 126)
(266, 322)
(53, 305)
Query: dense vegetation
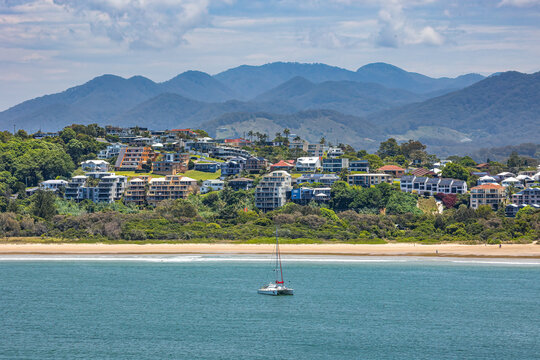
(231, 216)
(354, 214)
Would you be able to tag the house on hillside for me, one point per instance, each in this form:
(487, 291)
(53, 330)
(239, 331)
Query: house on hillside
(308, 164)
(211, 185)
(233, 167)
(240, 184)
(256, 164)
(393, 170)
(325, 179)
(285, 165)
(95, 165)
(367, 180)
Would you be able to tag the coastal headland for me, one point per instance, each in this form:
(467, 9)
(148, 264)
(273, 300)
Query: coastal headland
(408, 249)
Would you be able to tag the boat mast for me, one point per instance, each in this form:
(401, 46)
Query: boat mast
(278, 260)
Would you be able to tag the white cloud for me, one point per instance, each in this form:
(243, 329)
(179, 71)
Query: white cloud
(140, 23)
(395, 29)
(519, 3)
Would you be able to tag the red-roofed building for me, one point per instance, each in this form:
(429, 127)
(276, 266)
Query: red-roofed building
(487, 194)
(393, 170)
(286, 165)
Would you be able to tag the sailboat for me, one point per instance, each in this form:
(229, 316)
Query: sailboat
(278, 287)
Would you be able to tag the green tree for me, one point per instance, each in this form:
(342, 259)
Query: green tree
(43, 204)
(402, 203)
(389, 148)
(455, 171)
(375, 162)
(410, 147)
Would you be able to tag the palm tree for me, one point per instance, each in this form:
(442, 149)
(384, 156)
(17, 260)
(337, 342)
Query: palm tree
(322, 141)
(250, 134)
(287, 132)
(297, 138)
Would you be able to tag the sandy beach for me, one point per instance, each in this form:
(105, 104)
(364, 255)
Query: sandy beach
(443, 250)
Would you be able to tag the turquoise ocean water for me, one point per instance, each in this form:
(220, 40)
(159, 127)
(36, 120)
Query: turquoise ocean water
(191, 307)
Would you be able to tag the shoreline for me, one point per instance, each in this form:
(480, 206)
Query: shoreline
(527, 251)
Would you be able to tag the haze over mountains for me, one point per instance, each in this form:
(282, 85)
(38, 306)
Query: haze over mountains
(358, 107)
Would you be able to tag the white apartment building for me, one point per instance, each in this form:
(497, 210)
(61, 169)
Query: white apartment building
(271, 193)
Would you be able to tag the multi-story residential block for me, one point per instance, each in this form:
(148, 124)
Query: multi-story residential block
(366, 180)
(308, 164)
(95, 165)
(335, 164)
(205, 166)
(271, 192)
(171, 164)
(334, 152)
(315, 150)
(240, 184)
(256, 164)
(73, 187)
(107, 188)
(359, 166)
(110, 188)
(52, 185)
(133, 158)
(431, 186)
(393, 170)
(528, 196)
(211, 185)
(304, 195)
(325, 179)
(511, 210)
(171, 187)
(301, 145)
(233, 167)
(136, 191)
(487, 194)
(111, 151)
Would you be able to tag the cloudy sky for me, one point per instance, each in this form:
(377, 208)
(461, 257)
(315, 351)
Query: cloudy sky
(49, 45)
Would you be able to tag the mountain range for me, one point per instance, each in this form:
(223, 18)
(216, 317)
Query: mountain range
(358, 107)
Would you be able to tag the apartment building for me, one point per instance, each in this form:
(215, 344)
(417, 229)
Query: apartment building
(359, 166)
(271, 192)
(233, 167)
(334, 164)
(52, 185)
(107, 188)
(487, 194)
(315, 150)
(136, 191)
(334, 152)
(171, 164)
(301, 145)
(431, 186)
(530, 196)
(133, 158)
(366, 180)
(171, 187)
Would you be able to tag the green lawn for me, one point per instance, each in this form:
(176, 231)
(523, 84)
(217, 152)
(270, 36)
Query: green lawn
(201, 175)
(132, 174)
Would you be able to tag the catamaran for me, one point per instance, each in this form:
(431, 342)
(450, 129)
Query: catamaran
(278, 287)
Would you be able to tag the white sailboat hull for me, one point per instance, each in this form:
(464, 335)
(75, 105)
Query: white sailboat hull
(275, 291)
